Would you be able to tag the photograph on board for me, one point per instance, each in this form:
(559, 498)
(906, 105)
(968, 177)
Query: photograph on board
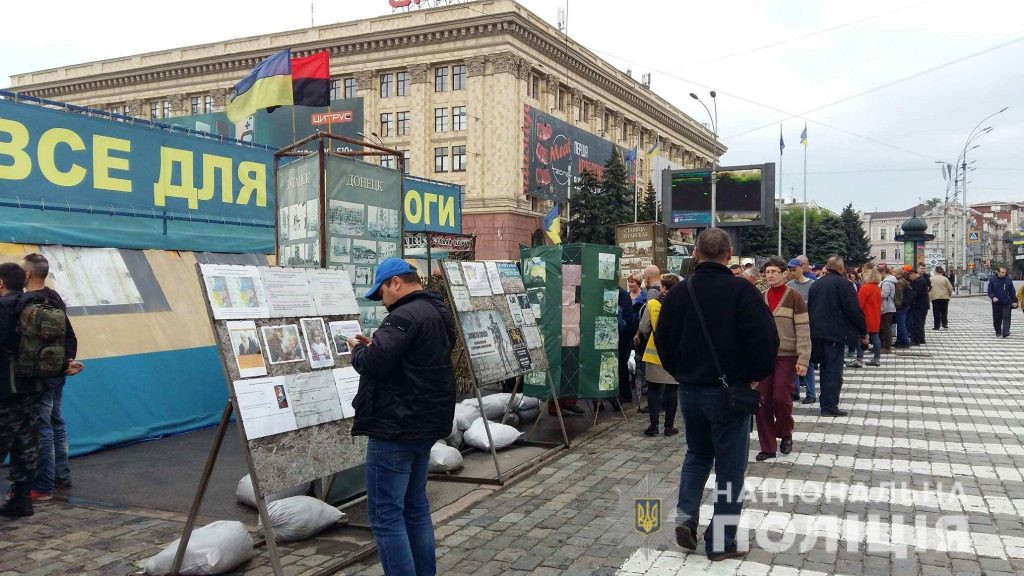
(245, 346)
(316, 342)
(283, 344)
(341, 331)
(346, 218)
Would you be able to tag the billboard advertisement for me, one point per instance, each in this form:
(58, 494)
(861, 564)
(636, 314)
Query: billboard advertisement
(555, 154)
(68, 178)
(744, 196)
(432, 206)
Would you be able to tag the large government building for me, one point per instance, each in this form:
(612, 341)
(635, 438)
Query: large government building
(484, 94)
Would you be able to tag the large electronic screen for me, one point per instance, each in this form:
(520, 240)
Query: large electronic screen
(744, 196)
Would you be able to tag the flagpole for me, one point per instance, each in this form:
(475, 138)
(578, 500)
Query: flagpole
(781, 202)
(805, 191)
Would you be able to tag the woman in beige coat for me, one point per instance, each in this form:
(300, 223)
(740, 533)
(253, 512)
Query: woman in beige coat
(939, 294)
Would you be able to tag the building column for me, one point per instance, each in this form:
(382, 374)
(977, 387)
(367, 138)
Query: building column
(422, 120)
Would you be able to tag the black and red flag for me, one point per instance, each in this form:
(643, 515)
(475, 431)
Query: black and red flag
(311, 80)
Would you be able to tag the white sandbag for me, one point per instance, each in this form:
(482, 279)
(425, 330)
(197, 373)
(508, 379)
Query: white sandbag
(528, 414)
(301, 517)
(529, 403)
(503, 435)
(444, 458)
(456, 440)
(465, 415)
(244, 493)
(216, 548)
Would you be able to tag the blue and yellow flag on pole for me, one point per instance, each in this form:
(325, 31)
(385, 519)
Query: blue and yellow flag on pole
(552, 225)
(803, 135)
(269, 84)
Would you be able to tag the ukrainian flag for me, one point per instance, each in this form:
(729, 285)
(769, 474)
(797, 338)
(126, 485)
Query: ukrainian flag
(803, 135)
(655, 148)
(269, 84)
(552, 225)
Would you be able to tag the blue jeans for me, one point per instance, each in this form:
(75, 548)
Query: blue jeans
(807, 380)
(832, 363)
(53, 440)
(396, 493)
(715, 436)
(875, 341)
(902, 328)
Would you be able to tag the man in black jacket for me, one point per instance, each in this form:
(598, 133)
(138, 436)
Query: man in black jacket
(743, 334)
(19, 401)
(836, 322)
(405, 403)
(921, 284)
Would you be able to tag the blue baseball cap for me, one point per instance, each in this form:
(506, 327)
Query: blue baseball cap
(795, 263)
(387, 270)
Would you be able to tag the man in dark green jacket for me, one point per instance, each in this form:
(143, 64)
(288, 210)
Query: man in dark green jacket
(19, 405)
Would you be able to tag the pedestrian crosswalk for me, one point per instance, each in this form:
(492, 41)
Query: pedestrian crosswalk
(929, 462)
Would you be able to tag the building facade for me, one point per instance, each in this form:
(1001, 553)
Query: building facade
(447, 85)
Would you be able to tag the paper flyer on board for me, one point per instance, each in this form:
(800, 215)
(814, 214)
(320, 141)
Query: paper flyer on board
(235, 292)
(454, 273)
(511, 281)
(264, 406)
(332, 290)
(246, 348)
(288, 292)
(346, 380)
(514, 309)
(314, 398)
(476, 278)
(494, 278)
(341, 331)
(460, 297)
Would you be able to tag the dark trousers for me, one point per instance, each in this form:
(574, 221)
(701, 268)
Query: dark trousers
(903, 327)
(885, 330)
(775, 418)
(662, 397)
(719, 437)
(19, 435)
(940, 313)
(1001, 318)
(830, 378)
(920, 317)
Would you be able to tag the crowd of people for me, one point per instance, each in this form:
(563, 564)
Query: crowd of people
(787, 325)
(38, 347)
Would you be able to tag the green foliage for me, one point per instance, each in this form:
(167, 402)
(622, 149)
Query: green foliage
(648, 206)
(858, 247)
(825, 239)
(598, 205)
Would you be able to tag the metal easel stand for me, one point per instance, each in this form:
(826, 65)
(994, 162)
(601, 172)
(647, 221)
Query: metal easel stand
(600, 403)
(553, 448)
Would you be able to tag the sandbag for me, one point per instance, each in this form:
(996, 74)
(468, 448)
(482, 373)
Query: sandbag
(444, 459)
(301, 517)
(528, 414)
(456, 440)
(503, 435)
(216, 548)
(465, 415)
(529, 403)
(244, 493)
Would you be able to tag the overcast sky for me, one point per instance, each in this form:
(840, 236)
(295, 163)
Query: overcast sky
(887, 87)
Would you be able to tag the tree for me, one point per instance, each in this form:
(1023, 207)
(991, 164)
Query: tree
(647, 209)
(599, 204)
(825, 239)
(934, 202)
(858, 247)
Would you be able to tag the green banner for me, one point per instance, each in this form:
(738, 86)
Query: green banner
(542, 276)
(599, 325)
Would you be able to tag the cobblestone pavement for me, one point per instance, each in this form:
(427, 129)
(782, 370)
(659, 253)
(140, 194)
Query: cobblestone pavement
(858, 495)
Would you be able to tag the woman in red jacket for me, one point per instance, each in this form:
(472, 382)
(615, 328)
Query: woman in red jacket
(870, 298)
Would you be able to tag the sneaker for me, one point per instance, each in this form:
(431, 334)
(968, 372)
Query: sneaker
(671, 431)
(873, 362)
(834, 413)
(809, 400)
(17, 508)
(41, 496)
(686, 537)
(730, 552)
(64, 484)
(855, 364)
(651, 431)
(762, 456)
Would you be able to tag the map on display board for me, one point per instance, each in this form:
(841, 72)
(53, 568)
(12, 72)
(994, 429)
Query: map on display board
(499, 328)
(281, 333)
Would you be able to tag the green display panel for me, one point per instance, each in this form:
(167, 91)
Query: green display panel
(542, 275)
(599, 326)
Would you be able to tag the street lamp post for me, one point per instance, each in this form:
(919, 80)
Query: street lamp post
(961, 163)
(714, 157)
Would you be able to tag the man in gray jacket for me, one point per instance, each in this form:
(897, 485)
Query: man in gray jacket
(888, 287)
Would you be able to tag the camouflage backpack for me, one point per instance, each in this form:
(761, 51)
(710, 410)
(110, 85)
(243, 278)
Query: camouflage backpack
(41, 354)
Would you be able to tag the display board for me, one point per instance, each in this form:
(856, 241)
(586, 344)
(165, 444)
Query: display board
(498, 326)
(642, 244)
(281, 335)
(576, 288)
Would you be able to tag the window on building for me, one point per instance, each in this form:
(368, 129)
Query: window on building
(441, 159)
(459, 77)
(207, 104)
(883, 254)
(195, 105)
(881, 234)
(605, 122)
(167, 109)
(441, 79)
(386, 80)
(154, 110)
(402, 85)
(440, 119)
(349, 87)
(459, 118)
(895, 253)
(386, 126)
(586, 111)
(533, 88)
(458, 158)
(388, 161)
(335, 89)
(561, 99)
(403, 123)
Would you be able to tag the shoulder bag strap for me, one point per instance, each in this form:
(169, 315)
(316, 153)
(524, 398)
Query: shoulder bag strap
(707, 335)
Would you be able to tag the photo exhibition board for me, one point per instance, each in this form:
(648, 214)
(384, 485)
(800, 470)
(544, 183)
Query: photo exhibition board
(290, 377)
(364, 225)
(501, 336)
(298, 212)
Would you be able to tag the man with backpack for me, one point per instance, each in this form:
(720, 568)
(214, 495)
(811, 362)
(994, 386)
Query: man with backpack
(46, 353)
(19, 401)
